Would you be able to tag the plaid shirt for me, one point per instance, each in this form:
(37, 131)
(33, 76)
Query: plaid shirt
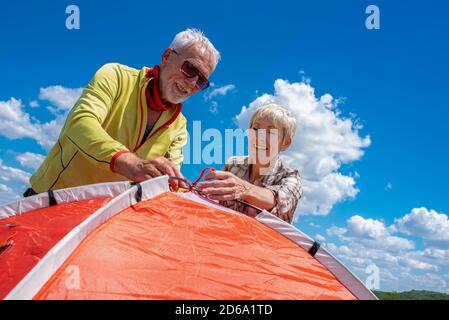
(284, 182)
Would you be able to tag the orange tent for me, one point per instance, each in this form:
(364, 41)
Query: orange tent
(118, 241)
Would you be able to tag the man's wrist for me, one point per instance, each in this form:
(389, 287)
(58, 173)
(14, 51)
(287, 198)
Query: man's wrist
(113, 162)
(125, 162)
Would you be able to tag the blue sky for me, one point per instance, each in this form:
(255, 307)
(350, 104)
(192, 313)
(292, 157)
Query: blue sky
(393, 81)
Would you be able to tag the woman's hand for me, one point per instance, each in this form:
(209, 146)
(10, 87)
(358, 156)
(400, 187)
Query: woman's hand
(227, 186)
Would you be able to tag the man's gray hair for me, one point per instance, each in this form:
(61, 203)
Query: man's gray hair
(189, 37)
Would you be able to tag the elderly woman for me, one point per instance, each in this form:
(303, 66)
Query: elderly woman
(260, 179)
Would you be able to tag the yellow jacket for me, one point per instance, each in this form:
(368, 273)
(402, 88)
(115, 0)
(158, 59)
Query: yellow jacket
(109, 118)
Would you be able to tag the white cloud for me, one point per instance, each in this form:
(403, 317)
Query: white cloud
(320, 238)
(371, 233)
(402, 266)
(8, 174)
(324, 141)
(30, 160)
(213, 93)
(34, 104)
(220, 91)
(213, 108)
(399, 271)
(394, 243)
(314, 225)
(357, 226)
(50, 132)
(61, 97)
(13, 182)
(4, 188)
(438, 259)
(15, 123)
(320, 196)
(419, 265)
(430, 225)
(335, 231)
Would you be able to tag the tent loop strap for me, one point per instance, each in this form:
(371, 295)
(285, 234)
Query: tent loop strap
(191, 186)
(138, 195)
(188, 183)
(51, 198)
(314, 249)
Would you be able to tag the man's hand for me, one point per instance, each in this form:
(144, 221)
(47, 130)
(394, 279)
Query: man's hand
(227, 186)
(138, 170)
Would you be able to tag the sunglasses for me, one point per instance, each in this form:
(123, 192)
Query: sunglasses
(190, 71)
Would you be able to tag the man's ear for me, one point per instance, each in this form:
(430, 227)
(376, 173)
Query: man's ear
(285, 144)
(165, 55)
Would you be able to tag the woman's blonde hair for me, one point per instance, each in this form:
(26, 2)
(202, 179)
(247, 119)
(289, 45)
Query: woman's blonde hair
(278, 116)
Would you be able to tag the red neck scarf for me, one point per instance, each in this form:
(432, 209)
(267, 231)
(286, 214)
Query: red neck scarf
(152, 92)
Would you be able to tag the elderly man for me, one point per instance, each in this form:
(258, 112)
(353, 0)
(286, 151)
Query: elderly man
(260, 179)
(127, 124)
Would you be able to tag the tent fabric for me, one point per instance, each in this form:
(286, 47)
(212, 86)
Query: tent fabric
(37, 228)
(174, 248)
(325, 257)
(34, 234)
(40, 274)
(343, 274)
(182, 246)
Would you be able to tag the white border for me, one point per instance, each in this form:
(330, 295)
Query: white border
(99, 190)
(196, 198)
